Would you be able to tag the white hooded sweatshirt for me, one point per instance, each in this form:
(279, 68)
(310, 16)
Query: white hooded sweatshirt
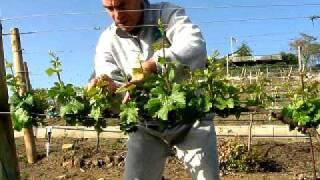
(117, 51)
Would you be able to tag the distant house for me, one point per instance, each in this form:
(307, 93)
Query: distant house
(267, 59)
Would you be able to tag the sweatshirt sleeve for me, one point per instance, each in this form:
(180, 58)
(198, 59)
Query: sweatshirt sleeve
(187, 44)
(104, 61)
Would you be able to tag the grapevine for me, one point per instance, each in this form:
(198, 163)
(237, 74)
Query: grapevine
(303, 112)
(24, 106)
(169, 100)
(82, 106)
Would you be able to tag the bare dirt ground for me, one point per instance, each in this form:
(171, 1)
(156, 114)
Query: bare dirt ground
(285, 159)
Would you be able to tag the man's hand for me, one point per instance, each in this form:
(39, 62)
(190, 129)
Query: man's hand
(111, 85)
(148, 67)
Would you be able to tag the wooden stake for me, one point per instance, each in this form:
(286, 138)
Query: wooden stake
(29, 139)
(299, 58)
(289, 74)
(26, 70)
(313, 159)
(227, 65)
(250, 132)
(8, 157)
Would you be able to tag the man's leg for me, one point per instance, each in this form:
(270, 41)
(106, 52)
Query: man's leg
(146, 157)
(198, 151)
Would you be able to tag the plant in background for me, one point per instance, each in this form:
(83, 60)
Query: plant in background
(255, 92)
(234, 156)
(244, 50)
(223, 95)
(25, 106)
(102, 103)
(82, 106)
(66, 98)
(290, 58)
(303, 113)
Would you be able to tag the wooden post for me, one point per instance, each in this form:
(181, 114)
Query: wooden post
(242, 72)
(26, 70)
(29, 139)
(250, 132)
(301, 71)
(299, 58)
(290, 71)
(8, 157)
(228, 65)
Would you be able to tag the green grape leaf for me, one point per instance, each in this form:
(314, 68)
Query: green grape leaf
(73, 107)
(50, 71)
(124, 89)
(96, 113)
(129, 113)
(172, 75)
(178, 100)
(153, 105)
(205, 103)
(20, 118)
(28, 100)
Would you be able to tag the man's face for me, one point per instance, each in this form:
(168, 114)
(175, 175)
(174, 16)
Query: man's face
(122, 18)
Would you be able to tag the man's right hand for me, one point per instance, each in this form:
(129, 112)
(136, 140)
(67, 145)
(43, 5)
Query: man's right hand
(111, 86)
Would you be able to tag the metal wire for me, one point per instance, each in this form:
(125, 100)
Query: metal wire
(158, 9)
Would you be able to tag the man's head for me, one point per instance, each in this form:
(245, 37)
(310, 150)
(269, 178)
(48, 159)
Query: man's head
(123, 12)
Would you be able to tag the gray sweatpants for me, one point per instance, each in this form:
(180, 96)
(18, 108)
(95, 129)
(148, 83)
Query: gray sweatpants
(147, 154)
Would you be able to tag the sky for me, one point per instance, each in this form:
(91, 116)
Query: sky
(71, 28)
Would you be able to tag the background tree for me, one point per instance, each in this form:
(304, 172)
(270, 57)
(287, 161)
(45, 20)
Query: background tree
(310, 48)
(289, 58)
(244, 50)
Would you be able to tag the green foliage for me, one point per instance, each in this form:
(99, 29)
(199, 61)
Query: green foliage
(290, 58)
(55, 65)
(24, 106)
(174, 95)
(129, 117)
(41, 99)
(244, 50)
(303, 113)
(159, 97)
(168, 100)
(161, 103)
(13, 82)
(222, 94)
(62, 93)
(81, 106)
(102, 103)
(256, 92)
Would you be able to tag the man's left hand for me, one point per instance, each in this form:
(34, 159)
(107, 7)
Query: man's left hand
(148, 67)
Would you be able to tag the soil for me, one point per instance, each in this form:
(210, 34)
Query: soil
(284, 159)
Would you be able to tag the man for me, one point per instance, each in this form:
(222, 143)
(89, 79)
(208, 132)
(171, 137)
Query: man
(130, 37)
